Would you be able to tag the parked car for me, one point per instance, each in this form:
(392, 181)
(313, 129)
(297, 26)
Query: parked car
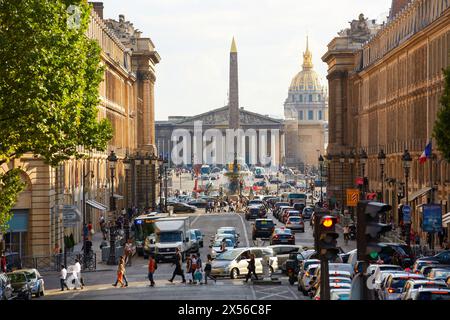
(282, 236)
(262, 228)
(20, 285)
(233, 263)
(295, 223)
(6, 290)
(181, 207)
(35, 281)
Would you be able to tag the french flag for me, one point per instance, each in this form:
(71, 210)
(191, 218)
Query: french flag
(426, 153)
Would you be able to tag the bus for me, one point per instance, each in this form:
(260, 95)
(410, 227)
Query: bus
(294, 197)
(144, 227)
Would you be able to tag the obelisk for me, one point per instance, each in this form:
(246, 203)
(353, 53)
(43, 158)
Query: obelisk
(233, 95)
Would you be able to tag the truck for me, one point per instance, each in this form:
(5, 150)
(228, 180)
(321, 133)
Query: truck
(170, 233)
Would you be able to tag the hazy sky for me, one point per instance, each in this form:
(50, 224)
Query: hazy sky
(193, 38)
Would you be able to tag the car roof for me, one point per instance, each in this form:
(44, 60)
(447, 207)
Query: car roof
(264, 220)
(419, 281)
(433, 289)
(407, 274)
(227, 228)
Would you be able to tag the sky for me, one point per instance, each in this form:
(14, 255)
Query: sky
(193, 38)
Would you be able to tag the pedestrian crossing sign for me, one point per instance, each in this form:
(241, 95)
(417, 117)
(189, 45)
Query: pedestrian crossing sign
(352, 197)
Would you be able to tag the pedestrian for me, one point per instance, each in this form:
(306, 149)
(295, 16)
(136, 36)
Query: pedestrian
(251, 268)
(178, 269)
(152, 266)
(120, 273)
(189, 269)
(3, 262)
(77, 274)
(346, 234)
(128, 252)
(208, 268)
(193, 267)
(63, 277)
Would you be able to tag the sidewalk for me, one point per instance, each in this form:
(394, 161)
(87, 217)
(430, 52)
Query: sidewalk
(97, 240)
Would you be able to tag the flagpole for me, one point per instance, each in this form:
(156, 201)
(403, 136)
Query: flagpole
(432, 189)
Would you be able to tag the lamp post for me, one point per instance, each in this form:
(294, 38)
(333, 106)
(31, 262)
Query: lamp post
(321, 160)
(351, 160)
(382, 159)
(406, 158)
(147, 160)
(112, 161)
(166, 162)
(127, 164)
(329, 159)
(160, 164)
(342, 161)
(362, 160)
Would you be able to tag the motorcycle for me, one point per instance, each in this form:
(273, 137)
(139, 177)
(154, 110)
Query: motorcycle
(292, 276)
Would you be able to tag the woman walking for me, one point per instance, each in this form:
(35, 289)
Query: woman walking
(120, 273)
(208, 268)
(189, 268)
(251, 268)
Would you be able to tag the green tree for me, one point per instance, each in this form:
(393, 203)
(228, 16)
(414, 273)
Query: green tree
(442, 125)
(49, 79)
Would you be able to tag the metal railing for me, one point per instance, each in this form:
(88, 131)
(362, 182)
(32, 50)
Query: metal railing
(54, 262)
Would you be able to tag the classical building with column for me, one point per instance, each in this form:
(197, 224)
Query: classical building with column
(385, 83)
(56, 198)
(306, 117)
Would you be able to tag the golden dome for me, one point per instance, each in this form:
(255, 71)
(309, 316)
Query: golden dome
(307, 79)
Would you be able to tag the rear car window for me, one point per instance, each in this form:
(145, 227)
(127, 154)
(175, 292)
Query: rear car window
(264, 223)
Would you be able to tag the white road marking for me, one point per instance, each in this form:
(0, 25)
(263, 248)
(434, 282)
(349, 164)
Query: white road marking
(245, 230)
(196, 218)
(279, 294)
(292, 292)
(253, 292)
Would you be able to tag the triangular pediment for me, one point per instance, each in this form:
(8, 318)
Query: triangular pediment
(220, 117)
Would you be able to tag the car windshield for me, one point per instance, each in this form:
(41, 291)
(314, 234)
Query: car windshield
(198, 233)
(308, 263)
(441, 273)
(398, 283)
(31, 275)
(264, 223)
(228, 255)
(228, 243)
(170, 237)
(434, 295)
(294, 219)
(226, 231)
(283, 231)
(430, 285)
(17, 277)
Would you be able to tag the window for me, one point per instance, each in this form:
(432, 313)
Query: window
(310, 115)
(300, 98)
(310, 98)
(319, 115)
(300, 115)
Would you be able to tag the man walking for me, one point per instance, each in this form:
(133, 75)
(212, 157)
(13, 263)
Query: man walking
(178, 269)
(208, 268)
(77, 271)
(251, 268)
(151, 269)
(63, 277)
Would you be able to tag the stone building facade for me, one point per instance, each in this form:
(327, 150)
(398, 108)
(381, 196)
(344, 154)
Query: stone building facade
(385, 84)
(78, 187)
(306, 117)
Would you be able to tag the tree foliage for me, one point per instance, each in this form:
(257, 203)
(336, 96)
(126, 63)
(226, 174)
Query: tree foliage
(442, 126)
(49, 79)
(10, 186)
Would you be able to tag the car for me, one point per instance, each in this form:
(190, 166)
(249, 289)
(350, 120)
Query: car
(221, 236)
(442, 257)
(282, 236)
(299, 207)
(21, 286)
(306, 274)
(195, 245)
(200, 236)
(295, 261)
(431, 294)
(282, 213)
(295, 223)
(261, 184)
(36, 281)
(413, 285)
(233, 263)
(379, 280)
(229, 230)
(262, 228)
(216, 247)
(425, 270)
(255, 202)
(283, 252)
(6, 290)
(376, 268)
(254, 212)
(289, 213)
(340, 279)
(394, 284)
(198, 203)
(181, 207)
(439, 274)
(307, 212)
(418, 264)
(340, 294)
(315, 294)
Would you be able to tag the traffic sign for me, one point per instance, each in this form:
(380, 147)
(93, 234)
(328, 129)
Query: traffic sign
(406, 214)
(352, 197)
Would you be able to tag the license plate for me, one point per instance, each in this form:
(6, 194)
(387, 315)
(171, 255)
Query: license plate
(284, 240)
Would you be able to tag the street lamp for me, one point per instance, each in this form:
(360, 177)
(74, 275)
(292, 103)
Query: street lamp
(362, 160)
(406, 158)
(147, 160)
(351, 160)
(328, 158)
(321, 160)
(382, 159)
(112, 161)
(127, 164)
(160, 164)
(342, 161)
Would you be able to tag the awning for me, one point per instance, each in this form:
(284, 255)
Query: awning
(414, 195)
(445, 219)
(96, 205)
(71, 215)
(117, 196)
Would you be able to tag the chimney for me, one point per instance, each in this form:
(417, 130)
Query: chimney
(98, 8)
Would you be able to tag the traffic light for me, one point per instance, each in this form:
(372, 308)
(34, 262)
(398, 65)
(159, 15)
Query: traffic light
(326, 237)
(370, 229)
